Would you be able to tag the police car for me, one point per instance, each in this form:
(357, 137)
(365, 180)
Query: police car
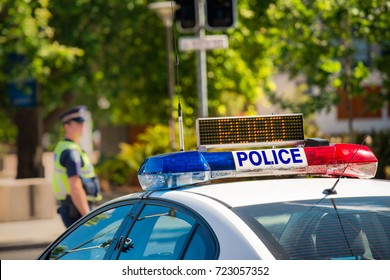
(254, 189)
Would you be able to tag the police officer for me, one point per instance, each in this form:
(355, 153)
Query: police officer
(75, 183)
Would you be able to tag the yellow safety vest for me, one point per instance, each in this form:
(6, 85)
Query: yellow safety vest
(61, 185)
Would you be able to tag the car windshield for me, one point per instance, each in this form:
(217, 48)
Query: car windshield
(343, 228)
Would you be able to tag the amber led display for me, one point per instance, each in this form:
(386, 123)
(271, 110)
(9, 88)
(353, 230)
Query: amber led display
(248, 130)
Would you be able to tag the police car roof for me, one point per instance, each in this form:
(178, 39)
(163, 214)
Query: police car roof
(277, 190)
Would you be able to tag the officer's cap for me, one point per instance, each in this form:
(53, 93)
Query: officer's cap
(76, 114)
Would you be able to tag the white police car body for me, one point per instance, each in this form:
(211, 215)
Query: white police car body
(184, 215)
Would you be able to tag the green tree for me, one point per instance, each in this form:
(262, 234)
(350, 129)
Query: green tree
(110, 55)
(115, 57)
(123, 65)
(28, 52)
(318, 39)
(117, 62)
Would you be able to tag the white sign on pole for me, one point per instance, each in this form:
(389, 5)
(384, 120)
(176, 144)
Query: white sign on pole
(210, 42)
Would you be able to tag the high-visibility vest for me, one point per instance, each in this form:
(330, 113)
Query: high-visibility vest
(61, 185)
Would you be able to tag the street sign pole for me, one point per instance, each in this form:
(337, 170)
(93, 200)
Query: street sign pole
(201, 61)
(200, 43)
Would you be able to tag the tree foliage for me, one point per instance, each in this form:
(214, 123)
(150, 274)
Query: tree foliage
(28, 50)
(320, 40)
(111, 56)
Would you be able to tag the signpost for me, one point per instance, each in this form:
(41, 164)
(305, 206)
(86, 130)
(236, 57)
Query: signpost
(23, 94)
(221, 15)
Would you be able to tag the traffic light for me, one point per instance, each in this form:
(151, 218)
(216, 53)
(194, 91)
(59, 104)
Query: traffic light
(220, 14)
(185, 15)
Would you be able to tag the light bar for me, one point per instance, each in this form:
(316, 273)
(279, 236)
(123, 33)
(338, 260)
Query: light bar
(272, 130)
(187, 168)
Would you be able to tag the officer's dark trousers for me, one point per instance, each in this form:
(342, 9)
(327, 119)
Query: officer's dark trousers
(68, 211)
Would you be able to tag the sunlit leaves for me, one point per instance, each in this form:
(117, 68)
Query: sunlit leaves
(320, 40)
(25, 31)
